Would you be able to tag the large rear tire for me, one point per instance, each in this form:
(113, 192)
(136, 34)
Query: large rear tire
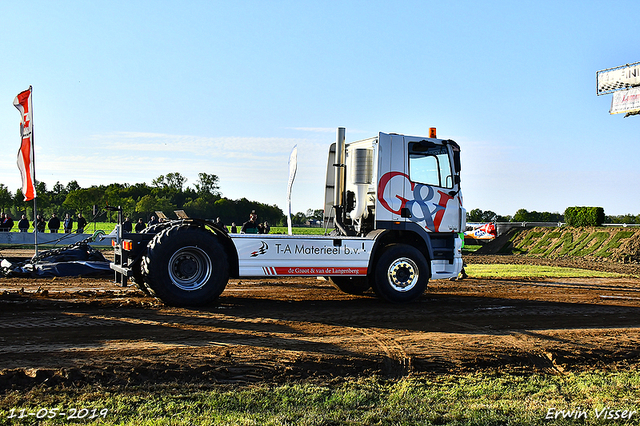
(401, 274)
(157, 228)
(138, 278)
(352, 285)
(185, 266)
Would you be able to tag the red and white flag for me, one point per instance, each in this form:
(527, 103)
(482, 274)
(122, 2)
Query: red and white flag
(25, 153)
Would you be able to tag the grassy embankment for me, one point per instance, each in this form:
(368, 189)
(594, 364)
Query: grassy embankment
(597, 243)
(468, 399)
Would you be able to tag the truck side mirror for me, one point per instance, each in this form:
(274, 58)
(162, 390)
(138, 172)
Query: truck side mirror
(456, 162)
(456, 155)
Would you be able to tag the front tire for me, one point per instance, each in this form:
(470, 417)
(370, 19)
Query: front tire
(401, 274)
(185, 266)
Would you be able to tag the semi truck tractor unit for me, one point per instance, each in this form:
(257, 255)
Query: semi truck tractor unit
(393, 207)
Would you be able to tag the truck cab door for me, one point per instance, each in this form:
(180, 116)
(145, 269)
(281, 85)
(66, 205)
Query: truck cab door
(393, 179)
(434, 201)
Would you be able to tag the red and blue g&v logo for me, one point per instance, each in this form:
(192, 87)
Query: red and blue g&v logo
(425, 203)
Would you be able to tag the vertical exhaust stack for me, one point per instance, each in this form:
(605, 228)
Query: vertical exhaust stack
(338, 194)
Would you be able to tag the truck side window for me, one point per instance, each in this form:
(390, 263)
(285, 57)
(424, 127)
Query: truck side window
(429, 164)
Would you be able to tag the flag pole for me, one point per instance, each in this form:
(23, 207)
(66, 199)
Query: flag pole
(26, 162)
(35, 182)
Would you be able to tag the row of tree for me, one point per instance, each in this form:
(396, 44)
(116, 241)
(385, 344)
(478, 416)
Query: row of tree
(166, 193)
(522, 215)
(169, 192)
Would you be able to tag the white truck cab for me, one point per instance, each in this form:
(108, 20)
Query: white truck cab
(392, 202)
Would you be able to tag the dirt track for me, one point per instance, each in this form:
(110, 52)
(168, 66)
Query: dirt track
(74, 331)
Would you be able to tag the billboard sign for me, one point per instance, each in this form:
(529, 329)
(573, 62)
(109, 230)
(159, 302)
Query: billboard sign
(625, 101)
(618, 78)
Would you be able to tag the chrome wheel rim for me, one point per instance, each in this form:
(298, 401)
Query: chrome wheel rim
(190, 268)
(403, 274)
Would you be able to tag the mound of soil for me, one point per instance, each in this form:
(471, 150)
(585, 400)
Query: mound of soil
(501, 244)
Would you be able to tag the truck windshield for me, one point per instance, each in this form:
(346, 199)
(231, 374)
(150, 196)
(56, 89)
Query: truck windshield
(429, 164)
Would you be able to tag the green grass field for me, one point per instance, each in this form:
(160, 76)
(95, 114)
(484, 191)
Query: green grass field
(466, 399)
(107, 227)
(528, 271)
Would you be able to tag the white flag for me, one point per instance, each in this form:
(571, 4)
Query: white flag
(293, 168)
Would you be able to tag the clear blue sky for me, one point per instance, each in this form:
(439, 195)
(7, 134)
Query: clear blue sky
(125, 91)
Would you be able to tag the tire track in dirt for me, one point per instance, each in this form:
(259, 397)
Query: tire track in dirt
(397, 362)
(522, 343)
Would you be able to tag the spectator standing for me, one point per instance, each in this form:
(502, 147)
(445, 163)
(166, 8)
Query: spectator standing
(3, 227)
(265, 227)
(39, 224)
(82, 222)
(23, 224)
(7, 223)
(54, 224)
(152, 221)
(220, 224)
(68, 224)
(140, 225)
(234, 228)
(126, 225)
(251, 226)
